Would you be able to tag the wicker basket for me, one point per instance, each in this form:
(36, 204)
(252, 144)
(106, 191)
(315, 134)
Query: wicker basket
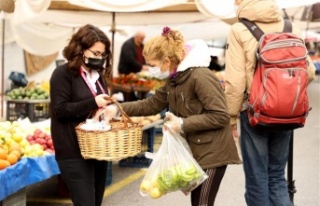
(121, 141)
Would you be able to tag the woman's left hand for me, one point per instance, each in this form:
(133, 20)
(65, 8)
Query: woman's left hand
(102, 100)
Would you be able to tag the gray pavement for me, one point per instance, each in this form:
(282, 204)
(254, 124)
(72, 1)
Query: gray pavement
(124, 190)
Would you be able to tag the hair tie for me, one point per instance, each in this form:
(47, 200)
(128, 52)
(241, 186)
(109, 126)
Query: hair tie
(165, 31)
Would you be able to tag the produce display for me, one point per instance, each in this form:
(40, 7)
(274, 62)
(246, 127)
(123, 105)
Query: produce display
(31, 92)
(19, 141)
(145, 120)
(137, 82)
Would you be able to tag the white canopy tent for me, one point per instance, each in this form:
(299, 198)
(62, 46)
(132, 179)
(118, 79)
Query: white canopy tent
(36, 23)
(44, 27)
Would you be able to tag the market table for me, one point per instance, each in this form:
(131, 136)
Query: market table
(25, 172)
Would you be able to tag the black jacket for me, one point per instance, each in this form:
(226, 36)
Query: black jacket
(71, 103)
(128, 58)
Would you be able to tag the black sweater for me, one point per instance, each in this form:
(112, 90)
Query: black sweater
(71, 103)
(128, 58)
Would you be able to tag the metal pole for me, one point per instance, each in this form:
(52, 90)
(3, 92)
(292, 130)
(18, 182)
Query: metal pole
(291, 186)
(113, 31)
(2, 67)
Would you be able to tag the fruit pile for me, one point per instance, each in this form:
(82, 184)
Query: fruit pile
(27, 93)
(137, 81)
(10, 156)
(42, 139)
(180, 177)
(15, 145)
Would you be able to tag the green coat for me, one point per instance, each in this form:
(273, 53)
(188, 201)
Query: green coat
(197, 97)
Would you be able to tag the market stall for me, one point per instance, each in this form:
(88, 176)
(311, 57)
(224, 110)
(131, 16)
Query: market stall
(26, 172)
(37, 164)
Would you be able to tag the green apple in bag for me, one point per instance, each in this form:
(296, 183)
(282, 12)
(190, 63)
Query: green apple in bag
(155, 193)
(145, 186)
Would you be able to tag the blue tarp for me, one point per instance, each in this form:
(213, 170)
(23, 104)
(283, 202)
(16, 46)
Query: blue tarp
(25, 172)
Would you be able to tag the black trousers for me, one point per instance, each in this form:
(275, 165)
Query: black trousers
(205, 194)
(85, 180)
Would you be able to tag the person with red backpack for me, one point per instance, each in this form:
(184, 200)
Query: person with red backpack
(266, 78)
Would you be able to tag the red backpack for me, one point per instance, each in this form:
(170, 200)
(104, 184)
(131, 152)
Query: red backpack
(278, 99)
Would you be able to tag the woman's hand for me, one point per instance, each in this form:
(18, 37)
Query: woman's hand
(235, 133)
(106, 113)
(173, 122)
(102, 100)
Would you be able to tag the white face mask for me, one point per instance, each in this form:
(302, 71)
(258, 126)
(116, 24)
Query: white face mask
(156, 72)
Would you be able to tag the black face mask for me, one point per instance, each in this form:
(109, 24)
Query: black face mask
(93, 63)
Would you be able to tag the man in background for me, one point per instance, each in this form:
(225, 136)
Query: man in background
(131, 58)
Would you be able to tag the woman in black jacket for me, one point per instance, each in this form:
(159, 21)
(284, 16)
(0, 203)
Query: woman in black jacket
(77, 89)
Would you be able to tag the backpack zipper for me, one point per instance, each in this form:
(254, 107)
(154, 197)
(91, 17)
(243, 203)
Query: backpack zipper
(282, 44)
(297, 94)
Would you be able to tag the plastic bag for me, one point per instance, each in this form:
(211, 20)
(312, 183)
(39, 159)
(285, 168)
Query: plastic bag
(173, 168)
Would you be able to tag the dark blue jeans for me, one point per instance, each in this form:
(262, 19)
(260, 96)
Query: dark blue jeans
(265, 155)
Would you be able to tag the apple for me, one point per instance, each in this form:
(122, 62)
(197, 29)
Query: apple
(36, 136)
(32, 142)
(50, 143)
(38, 140)
(145, 186)
(191, 170)
(37, 131)
(42, 135)
(160, 183)
(155, 193)
(29, 138)
(44, 146)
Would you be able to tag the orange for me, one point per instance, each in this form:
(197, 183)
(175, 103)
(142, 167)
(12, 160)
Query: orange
(4, 164)
(3, 154)
(12, 159)
(16, 153)
(15, 146)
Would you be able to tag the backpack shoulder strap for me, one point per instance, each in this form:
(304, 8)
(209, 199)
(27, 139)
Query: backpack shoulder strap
(253, 28)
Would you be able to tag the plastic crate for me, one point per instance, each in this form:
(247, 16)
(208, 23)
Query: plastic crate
(35, 110)
(16, 199)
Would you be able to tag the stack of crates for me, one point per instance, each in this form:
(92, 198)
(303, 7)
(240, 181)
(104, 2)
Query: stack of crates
(35, 110)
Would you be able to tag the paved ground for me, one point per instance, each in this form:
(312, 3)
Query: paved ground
(125, 182)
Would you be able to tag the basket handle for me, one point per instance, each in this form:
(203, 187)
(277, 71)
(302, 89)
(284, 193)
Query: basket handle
(125, 117)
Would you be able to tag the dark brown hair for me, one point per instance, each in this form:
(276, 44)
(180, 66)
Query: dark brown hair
(82, 40)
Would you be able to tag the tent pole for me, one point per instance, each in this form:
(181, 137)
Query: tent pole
(113, 30)
(2, 68)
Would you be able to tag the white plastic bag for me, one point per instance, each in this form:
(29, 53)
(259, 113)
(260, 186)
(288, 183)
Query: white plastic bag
(173, 168)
